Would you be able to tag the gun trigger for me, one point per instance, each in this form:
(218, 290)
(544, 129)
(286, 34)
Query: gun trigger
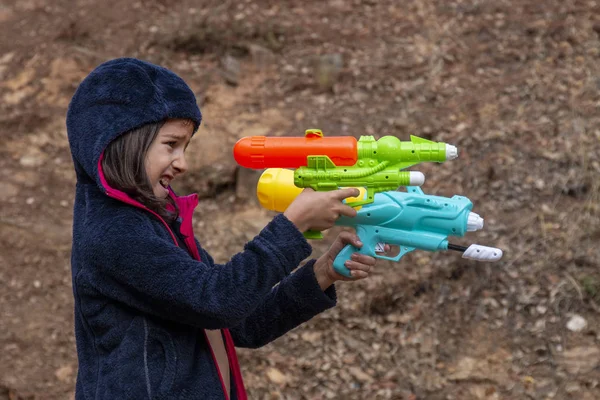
(380, 247)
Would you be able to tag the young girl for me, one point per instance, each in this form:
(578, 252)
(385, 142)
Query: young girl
(155, 317)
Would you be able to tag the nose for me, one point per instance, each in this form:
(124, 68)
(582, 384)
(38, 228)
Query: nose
(179, 163)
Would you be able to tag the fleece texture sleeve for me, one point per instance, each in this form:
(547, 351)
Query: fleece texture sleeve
(150, 273)
(294, 301)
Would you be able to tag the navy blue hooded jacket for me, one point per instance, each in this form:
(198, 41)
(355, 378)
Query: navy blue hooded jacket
(142, 302)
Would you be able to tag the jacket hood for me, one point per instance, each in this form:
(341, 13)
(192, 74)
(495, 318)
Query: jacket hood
(116, 97)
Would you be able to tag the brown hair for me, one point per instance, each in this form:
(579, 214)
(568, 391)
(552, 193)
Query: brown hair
(124, 169)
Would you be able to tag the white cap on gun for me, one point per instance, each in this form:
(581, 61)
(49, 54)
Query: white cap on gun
(451, 152)
(416, 178)
(474, 222)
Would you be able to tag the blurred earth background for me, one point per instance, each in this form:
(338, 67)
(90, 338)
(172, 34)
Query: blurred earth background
(515, 84)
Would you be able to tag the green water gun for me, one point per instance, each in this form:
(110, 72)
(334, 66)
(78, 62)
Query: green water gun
(328, 163)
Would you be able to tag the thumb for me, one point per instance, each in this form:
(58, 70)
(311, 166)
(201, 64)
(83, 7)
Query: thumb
(342, 240)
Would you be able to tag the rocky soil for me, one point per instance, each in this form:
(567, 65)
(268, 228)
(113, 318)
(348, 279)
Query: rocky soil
(515, 85)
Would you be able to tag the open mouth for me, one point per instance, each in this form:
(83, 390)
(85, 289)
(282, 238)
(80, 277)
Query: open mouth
(164, 182)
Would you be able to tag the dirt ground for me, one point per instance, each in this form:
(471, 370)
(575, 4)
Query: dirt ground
(514, 84)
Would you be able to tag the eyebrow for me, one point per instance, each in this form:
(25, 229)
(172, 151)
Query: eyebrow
(174, 136)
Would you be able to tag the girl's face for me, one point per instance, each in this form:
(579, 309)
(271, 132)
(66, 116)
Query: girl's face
(165, 159)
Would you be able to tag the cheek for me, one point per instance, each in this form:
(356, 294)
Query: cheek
(156, 163)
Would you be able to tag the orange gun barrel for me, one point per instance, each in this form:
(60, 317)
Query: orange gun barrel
(259, 152)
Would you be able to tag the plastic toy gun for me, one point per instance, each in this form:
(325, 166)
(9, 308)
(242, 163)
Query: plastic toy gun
(410, 220)
(327, 163)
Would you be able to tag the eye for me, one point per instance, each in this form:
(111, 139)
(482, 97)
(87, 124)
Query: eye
(172, 143)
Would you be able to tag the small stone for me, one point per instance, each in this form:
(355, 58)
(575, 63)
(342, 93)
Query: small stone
(64, 373)
(31, 160)
(539, 184)
(30, 200)
(539, 326)
(360, 375)
(6, 58)
(276, 376)
(311, 337)
(460, 127)
(541, 309)
(231, 69)
(580, 360)
(576, 324)
(572, 387)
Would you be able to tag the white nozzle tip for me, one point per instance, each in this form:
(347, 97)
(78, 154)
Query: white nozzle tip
(416, 178)
(474, 222)
(482, 253)
(451, 152)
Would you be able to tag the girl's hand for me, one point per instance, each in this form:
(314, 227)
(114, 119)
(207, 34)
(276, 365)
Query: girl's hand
(360, 265)
(318, 211)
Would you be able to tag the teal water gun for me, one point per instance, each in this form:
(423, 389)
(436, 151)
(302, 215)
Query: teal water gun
(410, 220)
(413, 220)
(328, 163)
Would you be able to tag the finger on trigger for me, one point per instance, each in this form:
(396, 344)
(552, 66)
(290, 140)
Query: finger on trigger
(348, 192)
(346, 236)
(357, 242)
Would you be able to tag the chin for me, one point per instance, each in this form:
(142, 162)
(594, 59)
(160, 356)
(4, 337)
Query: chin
(161, 192)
